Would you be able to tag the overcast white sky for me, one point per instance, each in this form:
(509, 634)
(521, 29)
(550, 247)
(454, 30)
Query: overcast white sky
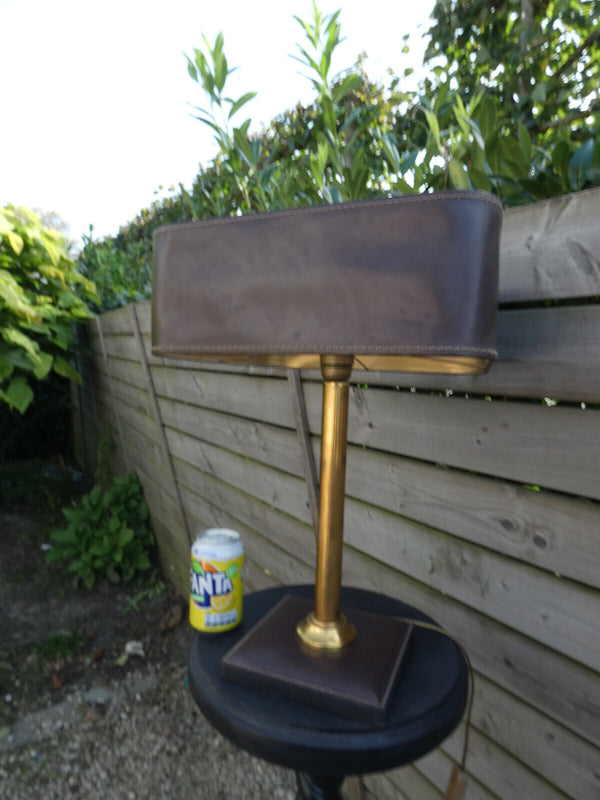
(95, 96)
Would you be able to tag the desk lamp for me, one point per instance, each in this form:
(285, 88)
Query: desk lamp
(401, 284)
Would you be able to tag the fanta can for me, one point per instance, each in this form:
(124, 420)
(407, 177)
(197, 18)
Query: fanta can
(216, 581)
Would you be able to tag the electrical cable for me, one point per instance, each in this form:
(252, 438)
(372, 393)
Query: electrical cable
(458, 779)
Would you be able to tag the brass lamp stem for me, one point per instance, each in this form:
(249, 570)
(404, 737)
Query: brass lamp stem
(326, 628)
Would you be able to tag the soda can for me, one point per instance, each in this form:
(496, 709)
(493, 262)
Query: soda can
(216, 581)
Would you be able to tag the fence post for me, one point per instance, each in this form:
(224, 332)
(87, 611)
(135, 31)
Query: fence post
(158, 418)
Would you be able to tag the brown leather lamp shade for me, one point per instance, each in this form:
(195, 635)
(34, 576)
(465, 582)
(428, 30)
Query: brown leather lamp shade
(413, 277)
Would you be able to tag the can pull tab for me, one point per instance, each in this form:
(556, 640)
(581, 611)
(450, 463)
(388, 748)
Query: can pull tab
(457, 785)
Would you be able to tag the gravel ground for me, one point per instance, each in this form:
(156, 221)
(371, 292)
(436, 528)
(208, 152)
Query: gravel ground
(141, 738)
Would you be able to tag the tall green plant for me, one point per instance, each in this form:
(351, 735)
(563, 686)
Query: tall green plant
(41, 296)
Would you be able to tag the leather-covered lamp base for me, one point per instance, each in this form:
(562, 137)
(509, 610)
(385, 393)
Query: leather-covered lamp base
(356, 681)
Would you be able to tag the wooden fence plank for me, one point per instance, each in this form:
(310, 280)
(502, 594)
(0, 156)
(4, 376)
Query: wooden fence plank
(542, 352)
(278, 561)
(135, 398)
(273, 488)
(128, 372)
(544, 529)
(116, 321)
(277, 447)
(437, 767)
(505, 439)
(504, 775)
(283, 530)
(110, 383)
(556, 612)
(550, 250)
(121, 346)
(174, 564)
(263, 399)
(404, 784)
(256, 577)
(565, 760)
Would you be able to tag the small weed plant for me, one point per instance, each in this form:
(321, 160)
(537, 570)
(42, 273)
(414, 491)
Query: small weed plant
(107, 534)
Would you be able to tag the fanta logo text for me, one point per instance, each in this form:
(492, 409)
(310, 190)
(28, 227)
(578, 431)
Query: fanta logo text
(210, 583)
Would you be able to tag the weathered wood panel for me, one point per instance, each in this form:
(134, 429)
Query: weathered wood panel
(261, 399)
(551, 250)
(551, 447)
(543, 529)
(542, 352)
(559, 613)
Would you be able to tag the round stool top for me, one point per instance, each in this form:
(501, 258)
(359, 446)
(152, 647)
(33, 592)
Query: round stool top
(427, 703)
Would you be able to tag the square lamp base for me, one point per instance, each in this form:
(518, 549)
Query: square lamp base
(356, 681)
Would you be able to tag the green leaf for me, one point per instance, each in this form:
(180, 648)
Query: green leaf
(220, 63)
(560, 161)
(580, 162)
(434, 127)
(18, 394)
(67, 299)
(43, 365)
(524, 141)
(243, 146)
(62, 367)
(125, 536)
(538, 95)
(6, 369)
(388, 144)
(15, 298)
(329, 117)
(16, 242)
(514, 166)
(142, 562)
(241, 101)
(192, 69)
(486, 115)
(458, 175)
(52, 242)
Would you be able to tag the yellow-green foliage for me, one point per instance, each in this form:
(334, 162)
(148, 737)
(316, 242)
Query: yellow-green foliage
(41, 296)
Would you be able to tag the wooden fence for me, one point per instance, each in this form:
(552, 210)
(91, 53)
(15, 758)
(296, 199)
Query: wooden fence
(475, 499)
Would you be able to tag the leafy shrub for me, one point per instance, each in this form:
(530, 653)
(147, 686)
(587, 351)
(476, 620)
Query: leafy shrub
(41, 296)
(510, 105)
(107, 535)
(121, 273)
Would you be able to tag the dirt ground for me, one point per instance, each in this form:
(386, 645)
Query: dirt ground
(94, 701)
(57, 637)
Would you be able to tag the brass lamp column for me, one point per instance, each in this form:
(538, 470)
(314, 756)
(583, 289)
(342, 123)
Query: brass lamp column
(326, 628)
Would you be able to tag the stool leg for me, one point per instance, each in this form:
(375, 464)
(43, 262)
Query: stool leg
(319, 787)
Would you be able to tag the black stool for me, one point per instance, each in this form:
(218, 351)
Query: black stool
(321, 746)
